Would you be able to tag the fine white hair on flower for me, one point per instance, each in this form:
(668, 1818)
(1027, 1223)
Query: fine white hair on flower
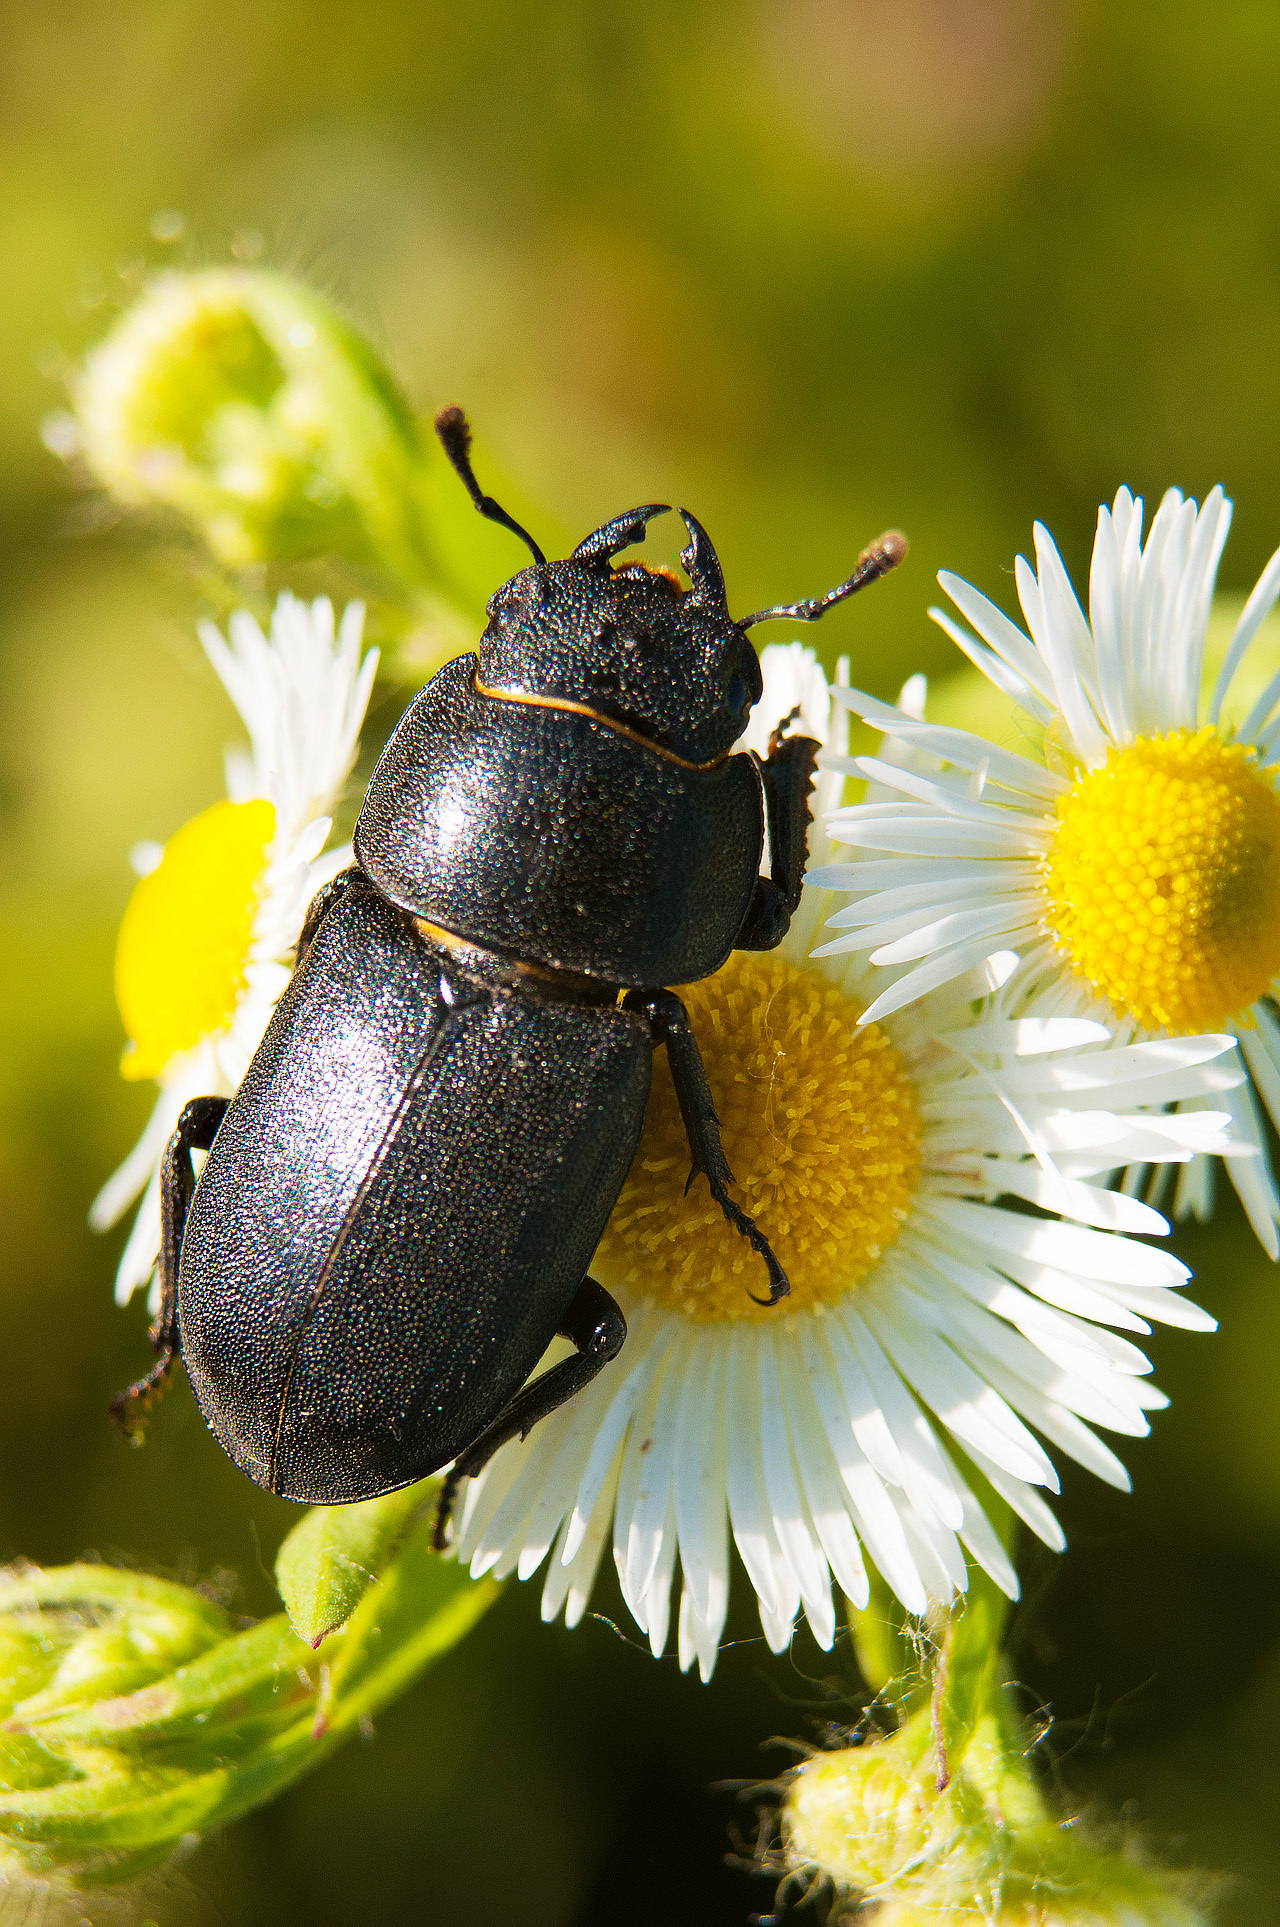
(206, 943)
(1132, 868)
(932, 1332)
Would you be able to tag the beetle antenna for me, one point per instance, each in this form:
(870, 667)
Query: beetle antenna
(454, 431)
(876, 560)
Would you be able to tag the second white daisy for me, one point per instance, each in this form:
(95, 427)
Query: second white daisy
(1137, 868)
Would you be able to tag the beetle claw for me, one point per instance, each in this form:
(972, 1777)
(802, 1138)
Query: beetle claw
(779, 1283)
(702, 565)
(621, 533)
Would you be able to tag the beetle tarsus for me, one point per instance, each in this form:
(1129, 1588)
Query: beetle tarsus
(594, 1324)
(195, 1132)
(779, 734)
(131, 1408)
(670, 1021)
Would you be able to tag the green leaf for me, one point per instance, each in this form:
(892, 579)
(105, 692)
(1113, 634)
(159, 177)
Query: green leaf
(335, 1553)
(104, 1787)
(422, 1607)
(969, 1671)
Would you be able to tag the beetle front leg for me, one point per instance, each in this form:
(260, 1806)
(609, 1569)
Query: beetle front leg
(787, 774)
(595, 1325)
(671, 1026)
(195, 1132)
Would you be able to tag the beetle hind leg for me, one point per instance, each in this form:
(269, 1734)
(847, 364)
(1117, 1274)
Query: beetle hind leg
(670, 1021)
(595, 1325)
(195, 1132)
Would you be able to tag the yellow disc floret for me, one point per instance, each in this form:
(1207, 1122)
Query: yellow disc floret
(820, 1127)
(1163, 880)
(184, 941)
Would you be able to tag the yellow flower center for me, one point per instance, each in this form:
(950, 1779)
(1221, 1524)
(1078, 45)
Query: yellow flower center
(1163, 880)
(184, 941)
(820, 1127)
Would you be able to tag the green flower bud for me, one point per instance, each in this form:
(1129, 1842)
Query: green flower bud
(864, 1814)
(247, 404)
(942, 1824)
(981, 1851)
(133, 1712)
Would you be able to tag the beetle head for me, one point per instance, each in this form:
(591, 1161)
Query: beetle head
(628, 641)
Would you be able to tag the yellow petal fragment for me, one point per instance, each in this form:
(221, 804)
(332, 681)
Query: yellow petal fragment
(184, 941)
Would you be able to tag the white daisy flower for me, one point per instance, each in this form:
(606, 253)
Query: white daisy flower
(206, 944)
(1135, 868)
(929, 1329)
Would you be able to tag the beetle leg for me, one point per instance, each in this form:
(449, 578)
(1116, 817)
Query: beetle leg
(595, 1325)
(328, 898)
(195, 1132)
(670, 1021)
(787, 774)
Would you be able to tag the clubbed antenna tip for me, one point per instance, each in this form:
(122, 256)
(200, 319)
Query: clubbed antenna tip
(876, 560)
(883, 554)
(454, 431)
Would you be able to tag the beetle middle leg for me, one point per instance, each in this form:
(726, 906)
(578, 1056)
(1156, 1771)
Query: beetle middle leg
(596, 1326)
(195, 1132)
(787, 774)
(671, 1026)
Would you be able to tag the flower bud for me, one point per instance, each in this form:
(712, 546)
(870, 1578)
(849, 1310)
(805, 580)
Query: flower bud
(134, 1712)
(864, 1814)
(980, 1851)
(247, 404)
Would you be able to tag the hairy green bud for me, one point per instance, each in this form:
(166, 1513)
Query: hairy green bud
(984, 1850)
(246, 403)
(942, 1823)
(133, 1712)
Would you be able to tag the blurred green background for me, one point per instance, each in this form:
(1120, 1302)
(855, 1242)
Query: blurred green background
(812, 267)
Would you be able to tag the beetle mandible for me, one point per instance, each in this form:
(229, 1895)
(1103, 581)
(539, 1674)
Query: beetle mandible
(398, 1210)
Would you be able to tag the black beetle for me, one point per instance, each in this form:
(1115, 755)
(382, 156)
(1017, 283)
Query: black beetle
(398, 1209)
